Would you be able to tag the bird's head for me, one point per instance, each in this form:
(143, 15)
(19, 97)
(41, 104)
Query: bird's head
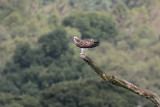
(76, 40)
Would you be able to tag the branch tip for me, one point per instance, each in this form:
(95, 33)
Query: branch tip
(122, 83)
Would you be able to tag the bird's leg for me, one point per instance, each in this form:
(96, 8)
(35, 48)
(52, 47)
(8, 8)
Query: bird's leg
(82, 51)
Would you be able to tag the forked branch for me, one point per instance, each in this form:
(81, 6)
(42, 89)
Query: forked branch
(123, 83)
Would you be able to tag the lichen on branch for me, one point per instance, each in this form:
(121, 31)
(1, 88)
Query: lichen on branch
(122, 83)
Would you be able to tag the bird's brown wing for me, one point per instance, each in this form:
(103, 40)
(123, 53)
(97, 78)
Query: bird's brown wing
(85, 43)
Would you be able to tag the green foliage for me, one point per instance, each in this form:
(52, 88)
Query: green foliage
(12, 20)
(54, 20)
(120, 9)
(8, 86)
(92, 25)
(55, 43)
(121, 13)
(8, 100)
(136, 3)
(18, 4)
(4, 35)
(45, 2)
(5, 9)
(23, 55)
(90, 93)
(34, 62)
(91, 5)
(35, 69)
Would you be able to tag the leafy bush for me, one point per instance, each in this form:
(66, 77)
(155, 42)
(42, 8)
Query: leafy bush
(92, 25)
(89, 93)
(31, 70)
(55, 43)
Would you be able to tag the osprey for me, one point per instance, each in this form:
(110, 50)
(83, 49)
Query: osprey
(85, 44)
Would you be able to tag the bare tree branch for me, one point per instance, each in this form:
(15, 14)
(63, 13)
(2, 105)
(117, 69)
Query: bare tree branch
(123, 83)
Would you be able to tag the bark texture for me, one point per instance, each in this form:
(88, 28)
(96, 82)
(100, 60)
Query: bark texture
(122, 83)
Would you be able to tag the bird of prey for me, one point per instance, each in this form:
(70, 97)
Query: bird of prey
(85, 44)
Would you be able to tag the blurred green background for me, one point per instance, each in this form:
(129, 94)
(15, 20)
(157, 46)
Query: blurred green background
(40, 65)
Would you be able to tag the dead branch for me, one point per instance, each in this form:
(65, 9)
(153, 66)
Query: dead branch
(122, 83)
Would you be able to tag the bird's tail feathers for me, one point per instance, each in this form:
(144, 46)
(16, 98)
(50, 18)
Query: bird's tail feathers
(97, 43)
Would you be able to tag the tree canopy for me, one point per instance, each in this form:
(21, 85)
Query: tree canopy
(93, 25)
(38, 58)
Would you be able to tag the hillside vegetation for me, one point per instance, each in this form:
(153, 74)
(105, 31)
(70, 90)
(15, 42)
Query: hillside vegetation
(40, 65)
